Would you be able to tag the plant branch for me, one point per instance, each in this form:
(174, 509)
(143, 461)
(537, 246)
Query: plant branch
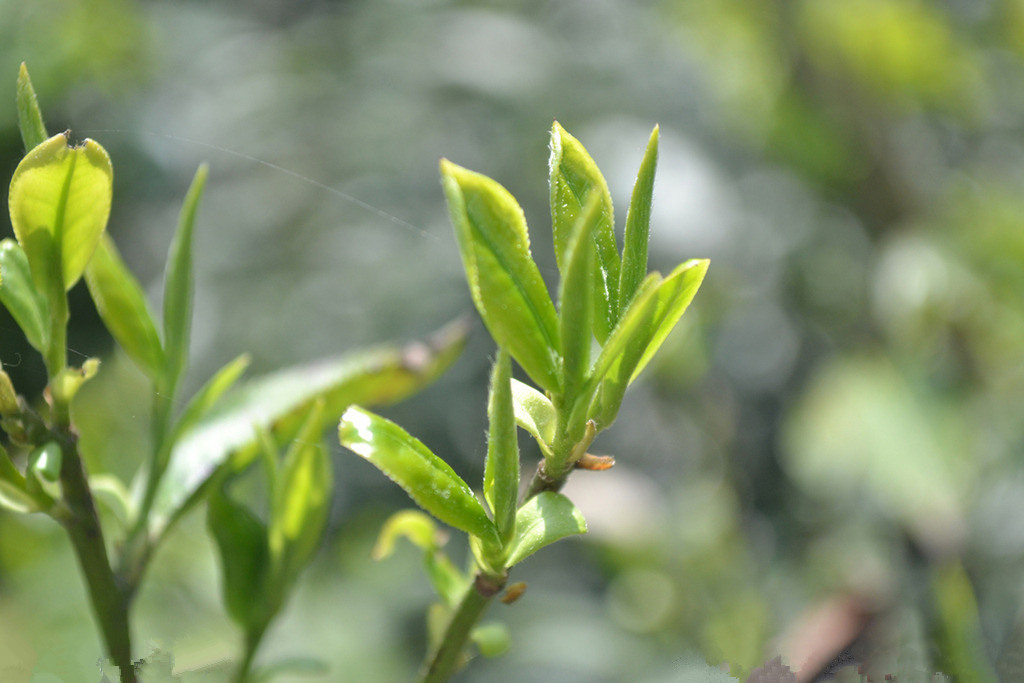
(447, 658)
(110, 602)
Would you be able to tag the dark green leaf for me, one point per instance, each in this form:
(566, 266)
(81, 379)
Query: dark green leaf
(576, 296)
(428, 480)
(504, 281)
(19, 294)
(122, 307)
(59, 202)
(179, 284)
(300, 500)
(30, 119)
(242, 541)
(542, 520)
(501, 472)
(573, 177)
(278, 402)
(638, 225)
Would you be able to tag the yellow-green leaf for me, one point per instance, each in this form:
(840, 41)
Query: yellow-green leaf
(59, 203)
(26, 304)
(429, 480)
(122, 306)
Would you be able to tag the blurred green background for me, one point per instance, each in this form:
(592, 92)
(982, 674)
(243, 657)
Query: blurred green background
(835, 433)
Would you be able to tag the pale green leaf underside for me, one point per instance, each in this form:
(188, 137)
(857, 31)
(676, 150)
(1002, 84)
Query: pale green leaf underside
(501, 471)
(542, 520)
(534, 413)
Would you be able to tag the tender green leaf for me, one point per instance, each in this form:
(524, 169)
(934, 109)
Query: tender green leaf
(638, 225)
(534, 413)
(278, 402)
(179, 284)
(674, 297)
(208, 395)
(59, 203)
(68, 381)
(301, 500)
(449, 583)
(501, 471)
(245, 559)
(17, 499)
(122, 306)
(30, 119)
(428, 480)
(620, 353)
(542, 520)
(670, 300)
(504, 281)
(575, 298)
(418, 527)
(491, 639)
(573, 177)
(960, 637)
(14, 493)
(19, 294)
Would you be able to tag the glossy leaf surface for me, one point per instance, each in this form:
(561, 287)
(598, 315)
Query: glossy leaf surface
(21, 297)
(638, 225)
(428, 480)
(59, 203)
(542, 520)
(122, 306)
(576, 297)
(573, 177)
(673, 298)
(279, 401)
(501, 471)
(504, 281)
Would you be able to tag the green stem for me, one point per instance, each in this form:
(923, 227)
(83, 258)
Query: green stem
(447, 658)
(252, 644)
(553, 472)
(110, 602)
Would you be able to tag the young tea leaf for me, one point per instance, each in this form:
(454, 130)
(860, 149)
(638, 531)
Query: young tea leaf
(504, 281)
(575, 298)
(501, 472)
(178, 285)
(122, 307)
(573, 177)
(638, 225)
(419, 528)
(278, 403)
(674, 297)
(428, 480)
(300, 500)
(534, 413)
(30, 119)
(59, 204)
(20, 296)
(242, 541)
(542, 520)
